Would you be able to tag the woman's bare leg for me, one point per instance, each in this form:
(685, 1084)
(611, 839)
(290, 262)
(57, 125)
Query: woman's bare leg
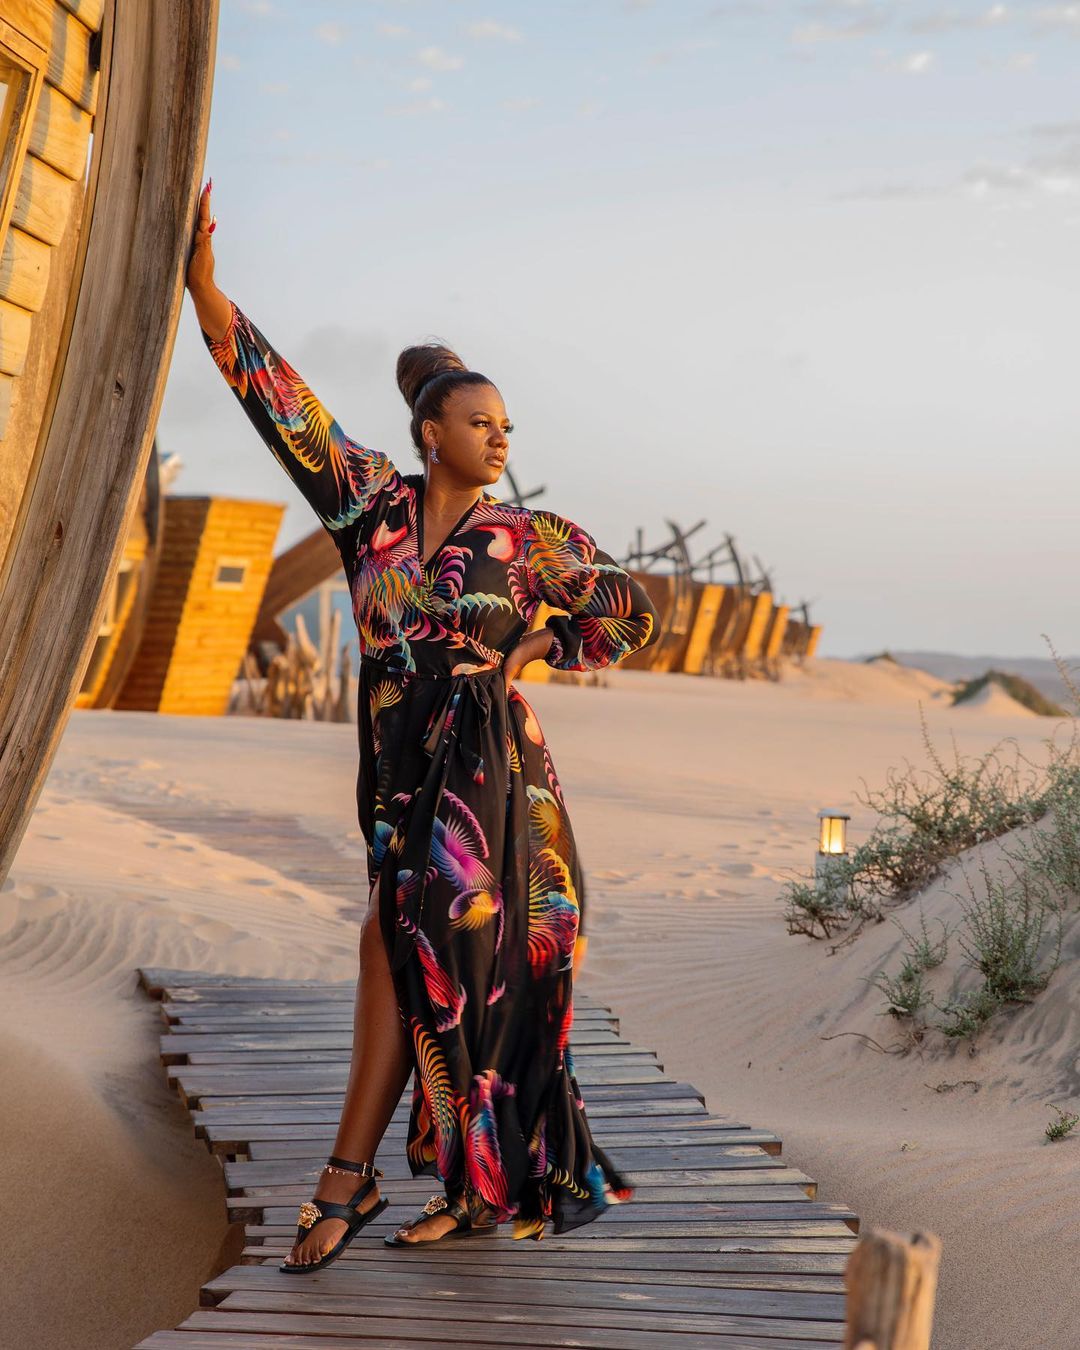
(380, 1067)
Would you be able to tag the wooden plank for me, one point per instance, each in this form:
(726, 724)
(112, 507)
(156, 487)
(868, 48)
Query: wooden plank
(693, 1262)
(663, 1171)
(463, 1323)
(631, 1146)
(61, 133)
(14, 337)
(202, 1043)
(43, 201)
(89, 11)
(224, 1340)
(24, 270)
(594, 1056)
(7, 387)
(32, 18)
(511, 1291)
(69, 66)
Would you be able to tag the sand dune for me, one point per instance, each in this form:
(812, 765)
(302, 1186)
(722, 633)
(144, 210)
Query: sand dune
(233, 846)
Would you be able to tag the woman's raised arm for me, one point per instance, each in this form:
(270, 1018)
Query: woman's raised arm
(339, 477)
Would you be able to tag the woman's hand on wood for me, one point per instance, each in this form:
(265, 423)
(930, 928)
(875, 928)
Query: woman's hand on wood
(532, 647)
(211, 305)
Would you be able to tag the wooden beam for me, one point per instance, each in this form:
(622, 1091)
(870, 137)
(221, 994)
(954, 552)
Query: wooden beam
(126, 293)
(890, 1286)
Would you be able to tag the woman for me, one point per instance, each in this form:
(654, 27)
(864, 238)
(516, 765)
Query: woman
(474, 925)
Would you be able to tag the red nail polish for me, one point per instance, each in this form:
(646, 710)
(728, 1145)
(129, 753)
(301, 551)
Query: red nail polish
(212, 228)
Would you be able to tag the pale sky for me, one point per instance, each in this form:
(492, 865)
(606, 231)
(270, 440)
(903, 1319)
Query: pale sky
(807, 269)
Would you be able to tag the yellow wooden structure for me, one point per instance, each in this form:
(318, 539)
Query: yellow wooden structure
(710, 599)
(216, 555)
(120, 630)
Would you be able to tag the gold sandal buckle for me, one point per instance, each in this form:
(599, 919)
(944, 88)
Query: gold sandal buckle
(309, 1212)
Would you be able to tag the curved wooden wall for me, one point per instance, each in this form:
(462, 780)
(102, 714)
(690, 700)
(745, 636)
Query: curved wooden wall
(121, 315)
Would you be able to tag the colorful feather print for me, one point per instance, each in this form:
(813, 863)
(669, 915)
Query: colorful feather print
(447, 999)
(444, 1109)
(459, 846)
(483, 1159)
(553, 912)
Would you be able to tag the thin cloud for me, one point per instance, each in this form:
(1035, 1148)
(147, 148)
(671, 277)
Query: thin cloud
(331, 33)
(955, 20)
(393, 30)
(520, 104)
(918, 63)
(417, 108)
(840, 19)
(665, 55)
(492, 28)
(1058, 18)
(437, 59)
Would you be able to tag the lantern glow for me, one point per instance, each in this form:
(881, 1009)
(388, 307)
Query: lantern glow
(832, 832)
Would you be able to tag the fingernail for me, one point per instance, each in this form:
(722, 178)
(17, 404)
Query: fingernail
(213, 227)
(210, 184)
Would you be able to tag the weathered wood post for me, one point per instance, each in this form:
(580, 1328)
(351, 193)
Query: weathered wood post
(890, 1284)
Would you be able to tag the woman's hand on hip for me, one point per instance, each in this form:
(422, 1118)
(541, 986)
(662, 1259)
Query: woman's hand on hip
(532, 647)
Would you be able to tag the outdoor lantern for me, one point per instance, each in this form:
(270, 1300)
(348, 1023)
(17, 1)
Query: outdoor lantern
(832, 833)
(830, 864)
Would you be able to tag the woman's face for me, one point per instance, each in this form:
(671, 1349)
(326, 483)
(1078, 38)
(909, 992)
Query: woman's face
(471, 435)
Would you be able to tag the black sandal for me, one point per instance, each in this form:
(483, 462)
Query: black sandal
(314, 1211)
(438, 1204)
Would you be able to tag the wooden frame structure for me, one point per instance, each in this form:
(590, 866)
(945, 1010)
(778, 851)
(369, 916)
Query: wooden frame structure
(111, 321)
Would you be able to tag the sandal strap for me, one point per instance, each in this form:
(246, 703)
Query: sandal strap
(331, 1209)
(458, 1212)
(364, 1169)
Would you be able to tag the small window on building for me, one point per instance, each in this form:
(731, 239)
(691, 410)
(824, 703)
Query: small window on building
(20, 80)
(230, 573)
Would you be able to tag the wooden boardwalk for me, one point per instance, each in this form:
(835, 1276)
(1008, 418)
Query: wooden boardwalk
(724, 1245)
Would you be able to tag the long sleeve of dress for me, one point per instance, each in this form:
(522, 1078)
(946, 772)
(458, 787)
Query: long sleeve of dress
(609, 615)
(339, 477)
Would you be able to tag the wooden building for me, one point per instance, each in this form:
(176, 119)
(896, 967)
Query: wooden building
(216, 555)
(104, 106)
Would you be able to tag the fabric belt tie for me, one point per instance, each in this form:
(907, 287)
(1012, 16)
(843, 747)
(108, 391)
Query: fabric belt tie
(458, 724)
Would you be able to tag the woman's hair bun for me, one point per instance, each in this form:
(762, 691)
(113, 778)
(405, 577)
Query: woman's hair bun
(417, 365)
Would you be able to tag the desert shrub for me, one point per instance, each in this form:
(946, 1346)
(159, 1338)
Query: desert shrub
(966, 1015)
(1052, 852)
(811, 907)
(1066, 1121)
(906, 992)
(1003, 936)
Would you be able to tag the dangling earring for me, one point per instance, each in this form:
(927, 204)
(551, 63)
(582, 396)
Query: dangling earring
(434, 454)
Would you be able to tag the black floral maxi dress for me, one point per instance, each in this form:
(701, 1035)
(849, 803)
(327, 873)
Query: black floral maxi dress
(481, 892)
